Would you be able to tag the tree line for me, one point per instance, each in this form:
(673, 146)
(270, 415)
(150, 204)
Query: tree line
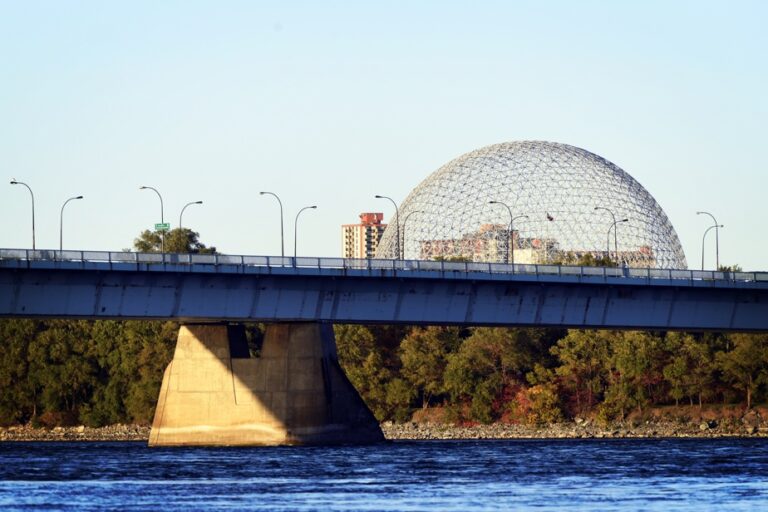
(541, 376)
(104, 372)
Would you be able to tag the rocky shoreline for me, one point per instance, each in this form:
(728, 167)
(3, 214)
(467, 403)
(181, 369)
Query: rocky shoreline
(79, 433)
(579, 429)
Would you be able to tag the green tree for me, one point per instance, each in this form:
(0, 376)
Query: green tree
(61, 373)
(424, 353)
(180, 241)
(636, 368)
(584, 260)
(487, 366)
(583, 366)
(746, 365)
(690, 371)
(17, 396)
(363, 362)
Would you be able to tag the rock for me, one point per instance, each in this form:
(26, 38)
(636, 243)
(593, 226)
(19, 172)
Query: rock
(80, 429)
(704, 426)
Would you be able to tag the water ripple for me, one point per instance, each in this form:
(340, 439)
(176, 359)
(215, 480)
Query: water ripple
(668, 475)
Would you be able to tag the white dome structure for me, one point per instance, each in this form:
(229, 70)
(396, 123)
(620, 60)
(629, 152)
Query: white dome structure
(566, 203)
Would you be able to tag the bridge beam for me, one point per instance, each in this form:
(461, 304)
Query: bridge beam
(294, 393)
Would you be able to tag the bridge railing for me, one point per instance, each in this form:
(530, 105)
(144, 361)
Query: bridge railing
(375, 265)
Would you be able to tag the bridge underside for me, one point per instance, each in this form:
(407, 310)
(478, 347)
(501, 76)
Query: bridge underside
(395, 299)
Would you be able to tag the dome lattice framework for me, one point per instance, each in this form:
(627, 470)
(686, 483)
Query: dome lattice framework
(558, 187)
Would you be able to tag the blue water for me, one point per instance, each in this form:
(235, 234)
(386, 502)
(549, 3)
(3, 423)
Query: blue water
(724, 474)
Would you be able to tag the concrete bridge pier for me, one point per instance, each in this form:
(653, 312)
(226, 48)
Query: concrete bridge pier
(295, 393)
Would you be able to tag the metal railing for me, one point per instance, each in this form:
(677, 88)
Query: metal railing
(303, 262)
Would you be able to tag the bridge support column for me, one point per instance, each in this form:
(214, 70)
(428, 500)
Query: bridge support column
(295, 393)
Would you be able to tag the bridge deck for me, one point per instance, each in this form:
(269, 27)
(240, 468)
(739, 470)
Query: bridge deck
(122, 285)
(235, 264)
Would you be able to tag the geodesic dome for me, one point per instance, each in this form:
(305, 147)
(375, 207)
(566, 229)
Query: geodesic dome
(556, 187)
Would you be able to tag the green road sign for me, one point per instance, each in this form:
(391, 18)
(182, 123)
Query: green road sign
(162, 227)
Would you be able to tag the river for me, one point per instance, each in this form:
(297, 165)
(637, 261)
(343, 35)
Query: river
(647, 474)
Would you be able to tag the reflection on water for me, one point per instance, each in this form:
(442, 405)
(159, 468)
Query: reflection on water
(692, 474)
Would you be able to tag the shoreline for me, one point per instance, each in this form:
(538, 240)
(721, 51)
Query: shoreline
(432, 431)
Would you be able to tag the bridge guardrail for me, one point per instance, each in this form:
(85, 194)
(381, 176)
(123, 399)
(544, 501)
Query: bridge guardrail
(376, 264)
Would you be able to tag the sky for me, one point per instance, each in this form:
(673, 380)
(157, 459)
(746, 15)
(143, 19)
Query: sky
(330, 103)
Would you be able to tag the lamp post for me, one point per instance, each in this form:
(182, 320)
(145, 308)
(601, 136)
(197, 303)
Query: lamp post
(511, 231)
(15, 182)
(703, 238)
(717, 241)
(185, 207)
(296, 229)
(61, 222)
(512, 235)
(405, 221)
(397, 224)
(608, 241)
(282, 238)
(162, 218)
(615, 237)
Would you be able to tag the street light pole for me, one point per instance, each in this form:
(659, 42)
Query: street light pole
(511, 233)
(185, 207)
(282, 238)
(162, 218)
(608, 241)
(61, 222)
(397, 224)
(715, 227)
(405, 221)
(717, 240)
(296, 230)
(14, 182)
(615, 238)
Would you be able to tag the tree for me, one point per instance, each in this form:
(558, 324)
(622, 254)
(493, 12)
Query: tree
(424, 353)
(363, 363)
(489, 364)
(17, 398)
(582, 370)
(746, 365)
(180, 241)
(689, 372)
(636, 368)
(584, 260)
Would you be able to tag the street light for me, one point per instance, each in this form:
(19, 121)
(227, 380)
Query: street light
(405, 221)
(615, 237)
(162, 218)
(185, 207)
(295, 231)
(282, 238)
(608, 241)
(397, 224)
(61, 222)
(715, 227)
(717, 241)
(14, 182)
(511, 233)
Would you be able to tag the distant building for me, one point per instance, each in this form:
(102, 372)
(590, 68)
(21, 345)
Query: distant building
(361, 240)
(489, 243)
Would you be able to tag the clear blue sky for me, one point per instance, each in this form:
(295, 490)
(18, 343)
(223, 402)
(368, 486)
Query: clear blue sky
(330, 103)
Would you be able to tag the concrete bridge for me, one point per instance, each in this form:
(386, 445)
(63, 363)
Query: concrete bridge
(296, 392)
(122, 285)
